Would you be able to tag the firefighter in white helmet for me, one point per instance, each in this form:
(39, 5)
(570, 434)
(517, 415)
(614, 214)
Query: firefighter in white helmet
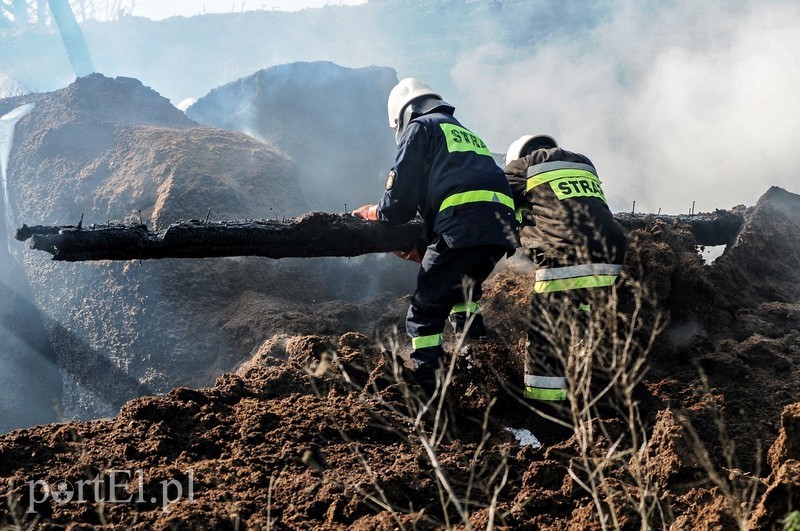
(445, 173)
(568, 231)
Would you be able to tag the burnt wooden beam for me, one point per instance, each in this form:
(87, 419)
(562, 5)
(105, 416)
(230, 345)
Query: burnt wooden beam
(312, 235)
(714, 228)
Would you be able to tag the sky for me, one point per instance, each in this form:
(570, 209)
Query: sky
(161, 9)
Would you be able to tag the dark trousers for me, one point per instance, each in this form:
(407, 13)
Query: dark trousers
(441, 284)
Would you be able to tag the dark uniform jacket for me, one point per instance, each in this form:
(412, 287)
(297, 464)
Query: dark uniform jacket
(566, 220)
(448, 175)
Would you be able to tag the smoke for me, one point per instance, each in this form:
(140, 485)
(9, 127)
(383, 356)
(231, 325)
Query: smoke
(7, 123)
(30, 384)
(10, 87)
(675, 102)
(331, 121)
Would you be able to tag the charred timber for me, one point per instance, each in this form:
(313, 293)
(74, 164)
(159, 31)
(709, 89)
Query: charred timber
(715, 228)
(311, 235)
(314, 234)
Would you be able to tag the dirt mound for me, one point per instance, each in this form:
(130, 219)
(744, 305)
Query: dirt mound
(98, 99)
(317, 431)
(754, 272)
(111, 148)
(736, 323)
(249, 458)
(107, 149)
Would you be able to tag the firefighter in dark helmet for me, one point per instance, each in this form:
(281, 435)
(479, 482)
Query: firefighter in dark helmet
(445, 173)
(568, 231)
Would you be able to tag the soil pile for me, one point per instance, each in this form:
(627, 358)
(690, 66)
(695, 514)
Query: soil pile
(316, 430)
(107, 149)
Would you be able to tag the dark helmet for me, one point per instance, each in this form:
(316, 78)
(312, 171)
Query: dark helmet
(527, 144)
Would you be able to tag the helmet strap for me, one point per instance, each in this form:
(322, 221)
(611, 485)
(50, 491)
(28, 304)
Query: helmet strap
(406, 116)
(418, 107)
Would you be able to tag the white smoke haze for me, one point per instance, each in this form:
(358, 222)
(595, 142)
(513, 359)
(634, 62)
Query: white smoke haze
(675, 102)
(159, 9)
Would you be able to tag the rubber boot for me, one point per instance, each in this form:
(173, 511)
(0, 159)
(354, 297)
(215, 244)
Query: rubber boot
(428, 363)
(476, 328)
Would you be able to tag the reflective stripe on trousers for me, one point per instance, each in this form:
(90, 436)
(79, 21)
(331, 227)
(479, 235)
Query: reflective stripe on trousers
(434, 340)
(554, 279)
(466, 307)
(549, 388)
(550, 395)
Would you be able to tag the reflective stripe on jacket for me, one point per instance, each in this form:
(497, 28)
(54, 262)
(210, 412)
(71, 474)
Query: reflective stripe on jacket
(566, 220)
(447, 174)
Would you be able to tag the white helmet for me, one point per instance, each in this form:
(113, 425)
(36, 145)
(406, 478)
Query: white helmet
(527, 144)
(410, 98)
(401, 95)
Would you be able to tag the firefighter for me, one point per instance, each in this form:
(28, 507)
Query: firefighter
(568, 231)
(446, 174)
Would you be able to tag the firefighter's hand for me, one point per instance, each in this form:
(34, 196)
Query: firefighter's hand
(367, 212)
(412, 255)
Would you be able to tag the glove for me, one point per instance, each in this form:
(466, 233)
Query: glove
(412, 255)
(367, 212)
